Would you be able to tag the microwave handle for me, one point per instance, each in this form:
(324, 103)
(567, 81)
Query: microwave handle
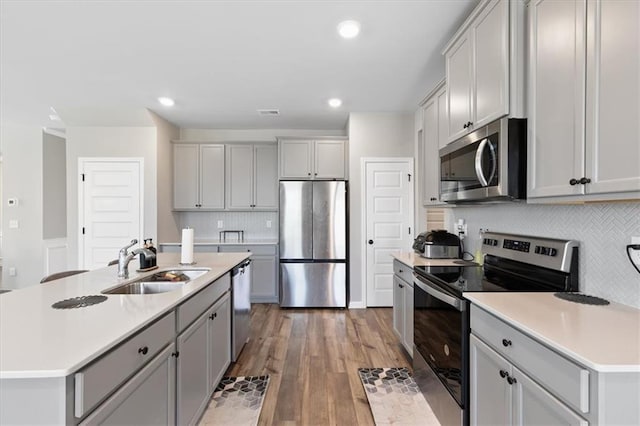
(479, 170)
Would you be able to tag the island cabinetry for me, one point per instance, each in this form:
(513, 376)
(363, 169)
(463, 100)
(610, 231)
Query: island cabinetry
(252, 177)
(198, 176)
(313, 159)
(153, 386)
(403, 304)
(583, 100)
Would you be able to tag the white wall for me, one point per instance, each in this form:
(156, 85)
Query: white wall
(251, 135)
(111, 142)
(54, 187)
(371, 135)
(168, 221)
(22, 248)
(603, 231)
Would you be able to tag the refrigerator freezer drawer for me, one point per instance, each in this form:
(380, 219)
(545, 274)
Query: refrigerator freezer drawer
(313, 285)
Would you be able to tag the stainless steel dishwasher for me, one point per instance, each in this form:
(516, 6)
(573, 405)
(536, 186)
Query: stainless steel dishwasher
(241, 291)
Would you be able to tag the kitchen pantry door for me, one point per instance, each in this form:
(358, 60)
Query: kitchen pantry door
(389, 222)
(110, 202)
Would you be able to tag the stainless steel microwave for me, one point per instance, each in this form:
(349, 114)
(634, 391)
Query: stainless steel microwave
(489, 164)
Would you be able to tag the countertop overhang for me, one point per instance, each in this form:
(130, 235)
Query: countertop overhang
(37, 341)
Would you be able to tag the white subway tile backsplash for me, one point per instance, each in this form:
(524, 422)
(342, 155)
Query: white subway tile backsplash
(603, 230)
(254, 224)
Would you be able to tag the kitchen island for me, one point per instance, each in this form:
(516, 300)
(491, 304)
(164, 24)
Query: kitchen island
(66, 366)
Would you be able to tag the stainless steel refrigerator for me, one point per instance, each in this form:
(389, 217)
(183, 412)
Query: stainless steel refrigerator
(313, 244)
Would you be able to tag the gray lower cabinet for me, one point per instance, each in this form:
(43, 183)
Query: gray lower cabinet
(204, 354)
(146, 399)
(264, 270)
(403, 304)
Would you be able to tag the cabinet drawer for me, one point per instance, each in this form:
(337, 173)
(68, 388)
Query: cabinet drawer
(563, 378)
(197, 304)
(97, 380)
(261, 249)
(403, 271)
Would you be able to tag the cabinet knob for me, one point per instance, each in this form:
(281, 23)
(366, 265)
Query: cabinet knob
(433, 199)
(585, 181)
(511, 380)
(143, 350)
(469, 124)
(400, 270)
(213, 316)
(465, 125)
(370, 242)
(315, 174)
(400, 285)
(573, 181)
(506, 342)
(503, 374)
(309, 174)
(175, 354)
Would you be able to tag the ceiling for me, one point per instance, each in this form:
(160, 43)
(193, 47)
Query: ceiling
(104, 63)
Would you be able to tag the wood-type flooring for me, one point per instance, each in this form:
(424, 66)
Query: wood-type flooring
(313, 356)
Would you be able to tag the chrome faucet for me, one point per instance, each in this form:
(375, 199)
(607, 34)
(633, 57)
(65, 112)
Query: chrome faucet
(124, 257)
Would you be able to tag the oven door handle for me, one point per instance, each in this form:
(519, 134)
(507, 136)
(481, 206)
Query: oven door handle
(478, 163)
(441, 296)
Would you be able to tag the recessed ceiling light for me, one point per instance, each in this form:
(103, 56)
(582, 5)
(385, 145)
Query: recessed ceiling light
(349, 29)
(166, 101)
(335, 102)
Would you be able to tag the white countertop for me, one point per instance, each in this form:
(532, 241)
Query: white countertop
(603, 338)
(39, 341)
(217, 242)
(411, 259)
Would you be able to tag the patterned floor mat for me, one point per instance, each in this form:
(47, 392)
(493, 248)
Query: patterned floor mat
(237, 401)
(394, 397)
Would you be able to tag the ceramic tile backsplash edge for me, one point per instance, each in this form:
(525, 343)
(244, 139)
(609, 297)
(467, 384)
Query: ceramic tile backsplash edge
(254, 224)
(603, 231)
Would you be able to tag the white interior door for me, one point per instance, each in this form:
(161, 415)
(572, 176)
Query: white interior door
(110, 209)
(389, 223)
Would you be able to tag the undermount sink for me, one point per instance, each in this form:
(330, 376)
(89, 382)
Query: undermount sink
(160, 282)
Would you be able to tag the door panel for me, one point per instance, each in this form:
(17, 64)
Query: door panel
(295, 159)
(329, 159)
(239, 176)
(459, 88)
(329, 220)
(266, 177)
(212, 176)
(389, 218)
(112, 206)
(313, 285)
(185, 176)
(296, 220)
(193, 380)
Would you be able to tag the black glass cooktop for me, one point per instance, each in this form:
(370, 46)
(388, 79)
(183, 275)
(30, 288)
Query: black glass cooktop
(458, 279)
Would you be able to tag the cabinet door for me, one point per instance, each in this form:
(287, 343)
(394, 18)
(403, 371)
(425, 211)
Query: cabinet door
(146, 399)
(613, 96)
(459, 86)
(398, 307)
(265, 177)
(212, 176)
(264, 279)
(408, 319)
(431, 159)
(329, 159)
(535, 406)
(556, 97)
(490, 394)
(295, 159)
(193, 380)
(239, 176)
(185, 176)
(219, 340)
(491, 68)
(443, 119)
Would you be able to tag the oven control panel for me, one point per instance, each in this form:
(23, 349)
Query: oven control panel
(490, 242)
(546, 251)
(516, 245)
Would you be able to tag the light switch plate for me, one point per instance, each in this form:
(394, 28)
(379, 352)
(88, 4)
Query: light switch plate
(220, 224)
(14, 224)
(12, 272)
(268, 224)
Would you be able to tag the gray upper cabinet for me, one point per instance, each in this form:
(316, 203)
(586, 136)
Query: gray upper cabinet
(312, 159)
(592, 74)
(484, 81)
(252, 177)
(198, 177)
(434, 119)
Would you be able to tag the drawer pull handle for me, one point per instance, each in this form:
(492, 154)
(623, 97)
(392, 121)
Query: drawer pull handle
(400, 270)
(213, 316)
(511, 380)
(400, 285)
(503, 374)
(506, 342)
(143, 350)
(175, 354)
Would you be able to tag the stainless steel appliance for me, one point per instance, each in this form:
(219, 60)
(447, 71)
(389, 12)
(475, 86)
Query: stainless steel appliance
(241, 306)
(441, 313)
(489, 164)
(438, 244)
(313, 244)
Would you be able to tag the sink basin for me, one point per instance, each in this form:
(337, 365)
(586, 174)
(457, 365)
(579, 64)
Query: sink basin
(160, 282)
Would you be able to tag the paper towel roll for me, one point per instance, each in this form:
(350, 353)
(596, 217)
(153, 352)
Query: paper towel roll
(186, 255)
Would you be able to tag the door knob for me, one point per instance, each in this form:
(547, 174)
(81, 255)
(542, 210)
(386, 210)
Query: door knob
(370, 242)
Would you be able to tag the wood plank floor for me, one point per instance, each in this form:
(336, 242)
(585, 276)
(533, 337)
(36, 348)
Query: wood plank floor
(312, 357)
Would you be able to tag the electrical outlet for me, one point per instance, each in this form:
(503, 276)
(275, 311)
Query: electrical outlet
(12, 271)
(14, 224)
(220, 224)
(268, 224)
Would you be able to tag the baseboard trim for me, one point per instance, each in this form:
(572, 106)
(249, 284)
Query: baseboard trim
(357, 305)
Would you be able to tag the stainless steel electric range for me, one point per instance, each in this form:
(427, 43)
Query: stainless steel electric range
(441, 313)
